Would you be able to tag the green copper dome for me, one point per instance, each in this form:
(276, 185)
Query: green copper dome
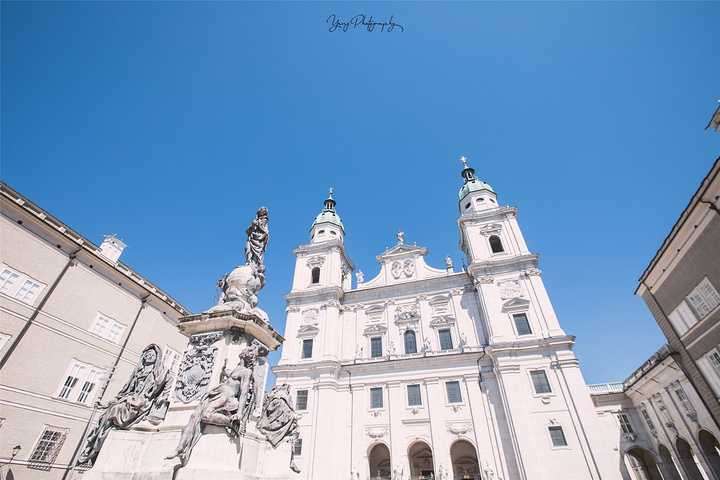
(328, 215)
(472, 184)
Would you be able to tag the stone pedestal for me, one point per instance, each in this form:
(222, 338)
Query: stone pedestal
(216, 339)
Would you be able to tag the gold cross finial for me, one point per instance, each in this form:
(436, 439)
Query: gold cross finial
(463, 160)
(331, 189)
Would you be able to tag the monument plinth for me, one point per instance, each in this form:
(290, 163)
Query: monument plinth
(214, 423)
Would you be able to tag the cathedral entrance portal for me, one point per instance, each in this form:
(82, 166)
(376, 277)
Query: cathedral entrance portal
(421, 461)
(464, 460)
(379, 462)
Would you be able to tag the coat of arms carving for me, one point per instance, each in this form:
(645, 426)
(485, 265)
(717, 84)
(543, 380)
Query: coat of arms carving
(194, 374)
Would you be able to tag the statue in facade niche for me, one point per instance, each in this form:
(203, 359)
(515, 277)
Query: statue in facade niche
(229, 404)
(132, 403)
(279, 420)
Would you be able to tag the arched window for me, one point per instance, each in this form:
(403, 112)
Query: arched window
(496, 244)
(410, 342)
(316, 275)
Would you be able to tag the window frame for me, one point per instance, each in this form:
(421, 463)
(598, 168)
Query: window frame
(707, 294)
(405, 341)
(313, 279)
(370, 398)
(297, 447)
(419, 396)
(626, 426)
(174, 364)
(557, 428)
(21, 279)
(303, 343)
(440, 331)
(459, 390)
(536, 385)
(112, 330)
(374, 341)
(501, 243)
(53, 454)
(76, 389)
(297, 400)
(515, 323)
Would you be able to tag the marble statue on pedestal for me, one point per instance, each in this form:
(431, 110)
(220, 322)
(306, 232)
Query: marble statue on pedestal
(279, 420)
(229, 404)
(240, 287)
(132, 403)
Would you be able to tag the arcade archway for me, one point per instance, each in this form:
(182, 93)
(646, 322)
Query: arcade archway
(379, 462)
(687, 459)
(464, 460)
(711, 450)
(641, 465)
(420, 456)
(667, 464)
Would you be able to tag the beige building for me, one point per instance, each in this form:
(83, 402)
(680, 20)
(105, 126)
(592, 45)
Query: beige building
(69, 314)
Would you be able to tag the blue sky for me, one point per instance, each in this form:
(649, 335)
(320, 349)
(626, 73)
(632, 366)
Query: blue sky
(170, 123)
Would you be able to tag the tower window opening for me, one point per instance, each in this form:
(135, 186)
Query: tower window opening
(492, 201)
(446, 342)
(410, 342)
(479, 199)
(316, 275)
(333, 232)
(307, 348)
(496, 244)
(321, 231)
(467, 206)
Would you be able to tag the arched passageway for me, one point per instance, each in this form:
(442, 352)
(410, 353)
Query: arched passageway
(667, 464)
(711, 450)
(641, 465)
(464, 461)
(379, 462)
(688, 461)
(420, 456)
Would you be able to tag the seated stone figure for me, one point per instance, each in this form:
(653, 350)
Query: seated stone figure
(228, 405)
(279, 420)
(132, 403)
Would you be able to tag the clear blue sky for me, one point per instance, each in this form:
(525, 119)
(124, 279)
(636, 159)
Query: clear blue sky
(171, 123)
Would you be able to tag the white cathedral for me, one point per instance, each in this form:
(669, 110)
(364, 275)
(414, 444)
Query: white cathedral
(423, 372)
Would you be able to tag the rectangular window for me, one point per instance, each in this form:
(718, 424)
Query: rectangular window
(648, 420)
(107, 328)
(414, 398)
(297, 448)
(302, 398)
(3, 340)
(80, 383)
(88, 387)
(625, 424)
(704, 298)
(682, 318)
(684, 400)
(376, 347)
(27, 291)
(7, 280)
(446, 342)
(171, 359)
(76, 371)
(558, 437)
(522, 324)
(48, 446)
(307, 348)
(540, 381)
(376, 397)
(453, 392)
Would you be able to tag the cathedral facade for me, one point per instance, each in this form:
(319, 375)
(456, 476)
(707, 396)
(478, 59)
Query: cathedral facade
(426, 372)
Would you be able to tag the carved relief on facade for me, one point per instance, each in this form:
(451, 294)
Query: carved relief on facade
(403, 268)
(292, 308)
(374, 314)
(407, 313)
(315, 261)
(331, 303)
(459, 428)
(510, 289)
(310, 317)
(376, 432)
(376, 329)
(491, 229)
(531, 272)
(484, 279)
(440, 306)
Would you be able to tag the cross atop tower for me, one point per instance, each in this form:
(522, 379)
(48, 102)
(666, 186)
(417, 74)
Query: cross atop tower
(463, 160)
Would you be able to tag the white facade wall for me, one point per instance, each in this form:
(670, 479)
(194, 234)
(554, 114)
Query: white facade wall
(500, 416)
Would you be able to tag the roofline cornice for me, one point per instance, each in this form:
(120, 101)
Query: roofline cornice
(52, 225)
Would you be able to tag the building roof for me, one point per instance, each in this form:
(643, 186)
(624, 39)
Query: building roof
(89, 247)
(715, 121)
(328, 214)
(696, 199)
(471, 183)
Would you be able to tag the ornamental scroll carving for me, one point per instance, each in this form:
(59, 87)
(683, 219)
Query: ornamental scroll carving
(459, 428)
(406, 313)
(194, 373)
(315, 261)
(310, 317)
(406, 268)
(376, 432)
(510, 289)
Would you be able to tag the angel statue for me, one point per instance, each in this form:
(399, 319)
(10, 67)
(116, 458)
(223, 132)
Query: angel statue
(229, 404)
(132, 403)
(258, 236)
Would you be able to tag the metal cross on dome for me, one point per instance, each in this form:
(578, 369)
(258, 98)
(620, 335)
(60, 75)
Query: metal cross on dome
(463, 160)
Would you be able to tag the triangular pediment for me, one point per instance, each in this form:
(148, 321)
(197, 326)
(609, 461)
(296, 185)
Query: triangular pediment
(374, 329)
(308, 330)
(401, 250)
(516, 303)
